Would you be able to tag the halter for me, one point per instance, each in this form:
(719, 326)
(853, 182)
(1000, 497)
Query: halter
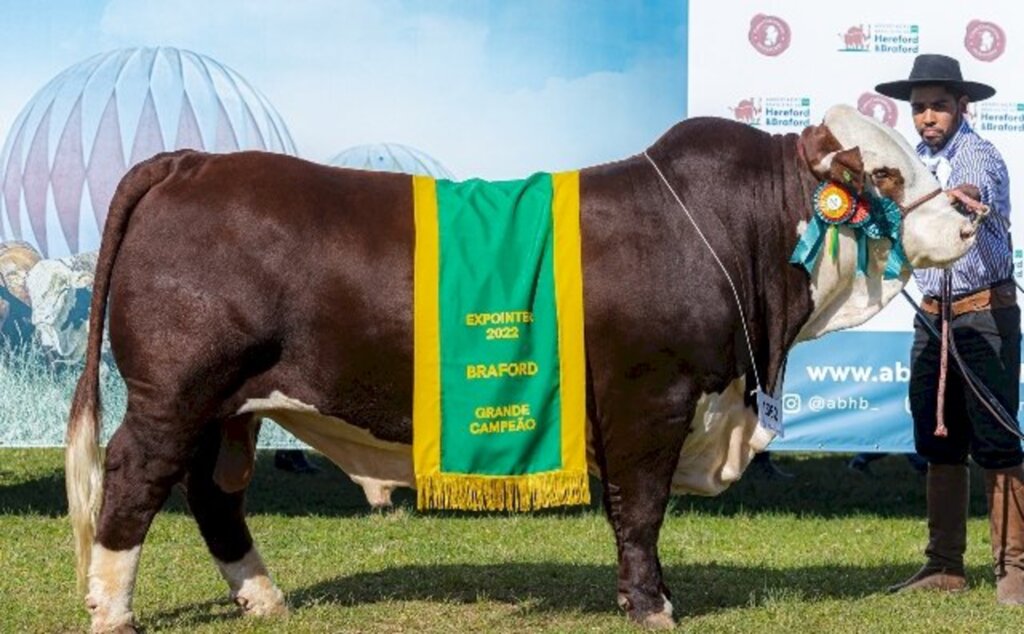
(978, 209)
(973, 207)
(906, 209)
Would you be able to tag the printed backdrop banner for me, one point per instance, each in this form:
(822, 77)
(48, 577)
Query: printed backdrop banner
(848, 392)
(449, 90)
(778, 66)
(95, 86)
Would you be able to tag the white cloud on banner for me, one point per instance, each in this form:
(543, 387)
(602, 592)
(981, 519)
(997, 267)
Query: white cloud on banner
(363, 72)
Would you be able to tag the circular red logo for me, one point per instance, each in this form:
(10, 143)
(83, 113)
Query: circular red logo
(879, 107)
(985, 40)
(769, 34)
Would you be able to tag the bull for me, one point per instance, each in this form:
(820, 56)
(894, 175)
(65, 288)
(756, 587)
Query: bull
(286, 291)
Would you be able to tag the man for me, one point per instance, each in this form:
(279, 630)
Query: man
(985, 328)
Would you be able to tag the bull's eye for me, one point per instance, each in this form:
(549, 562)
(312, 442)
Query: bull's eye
(880, 173)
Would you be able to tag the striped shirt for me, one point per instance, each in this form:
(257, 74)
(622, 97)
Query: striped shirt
(977, 162)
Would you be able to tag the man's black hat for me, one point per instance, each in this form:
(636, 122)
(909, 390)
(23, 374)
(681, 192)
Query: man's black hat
(930, 69)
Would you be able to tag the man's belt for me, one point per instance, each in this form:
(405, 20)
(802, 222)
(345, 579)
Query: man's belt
(1003, 295)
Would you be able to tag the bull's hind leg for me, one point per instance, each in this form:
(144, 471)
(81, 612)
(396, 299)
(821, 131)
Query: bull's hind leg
(637, 476)
(224, 460)
(142, 464)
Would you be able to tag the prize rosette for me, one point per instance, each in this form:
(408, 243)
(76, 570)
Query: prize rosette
(834, 204)
(871, 217)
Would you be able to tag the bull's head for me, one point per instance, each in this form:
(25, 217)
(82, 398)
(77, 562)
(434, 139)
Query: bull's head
(934, 232)
(866, 154)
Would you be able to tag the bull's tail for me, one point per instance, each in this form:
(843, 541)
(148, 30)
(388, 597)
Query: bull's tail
(83, 476)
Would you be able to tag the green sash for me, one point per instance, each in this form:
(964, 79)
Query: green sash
(499, 418)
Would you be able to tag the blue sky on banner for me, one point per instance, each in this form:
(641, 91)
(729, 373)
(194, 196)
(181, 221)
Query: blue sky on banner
(489, 88)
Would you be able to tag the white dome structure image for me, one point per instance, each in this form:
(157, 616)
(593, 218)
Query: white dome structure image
(76, 138)
(390, 157)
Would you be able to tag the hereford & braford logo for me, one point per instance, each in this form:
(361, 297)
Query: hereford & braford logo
(1007, 116)
(773, 112)
(747, 111)
(881, 38)
(984, 40)
(856, 38)
(880, 107)
(769, 34)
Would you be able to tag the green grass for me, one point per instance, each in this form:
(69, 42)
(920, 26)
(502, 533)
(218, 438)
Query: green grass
(811, 555)
(35, 397)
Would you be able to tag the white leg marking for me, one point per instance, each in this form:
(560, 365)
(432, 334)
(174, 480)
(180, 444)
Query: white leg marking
(667, 610)
(251, 586)
(111, 584)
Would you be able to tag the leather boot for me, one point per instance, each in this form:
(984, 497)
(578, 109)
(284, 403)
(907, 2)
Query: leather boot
(1005, 491)
(947, 492)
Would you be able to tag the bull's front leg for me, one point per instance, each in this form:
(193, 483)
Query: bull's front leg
(638, 452)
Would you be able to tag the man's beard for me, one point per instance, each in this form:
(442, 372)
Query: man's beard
(936, 144)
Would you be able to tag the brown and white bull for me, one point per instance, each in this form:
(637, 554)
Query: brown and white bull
(286, 290)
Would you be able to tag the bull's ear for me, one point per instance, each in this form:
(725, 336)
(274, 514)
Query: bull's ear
(847, 167)
(816, 143)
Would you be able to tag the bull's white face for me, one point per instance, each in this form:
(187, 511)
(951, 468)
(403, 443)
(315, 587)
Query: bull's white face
(934, 233)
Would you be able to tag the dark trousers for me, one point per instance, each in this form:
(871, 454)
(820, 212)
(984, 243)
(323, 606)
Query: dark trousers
(989, 344)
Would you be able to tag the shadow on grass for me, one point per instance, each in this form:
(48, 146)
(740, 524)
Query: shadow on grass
(41, 495)
(329, 493)
(822, 486)
(538, 587)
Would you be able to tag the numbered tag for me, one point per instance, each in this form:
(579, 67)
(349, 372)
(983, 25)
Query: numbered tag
(769, 413)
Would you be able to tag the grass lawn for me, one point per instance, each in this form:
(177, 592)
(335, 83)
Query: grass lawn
(805, 555)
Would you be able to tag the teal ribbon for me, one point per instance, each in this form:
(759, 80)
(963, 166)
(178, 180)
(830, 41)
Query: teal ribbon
(883, 221)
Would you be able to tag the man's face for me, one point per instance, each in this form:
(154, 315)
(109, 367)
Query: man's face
(936, 113)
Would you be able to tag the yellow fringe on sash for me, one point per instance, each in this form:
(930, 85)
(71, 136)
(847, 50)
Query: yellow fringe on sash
(502, 493)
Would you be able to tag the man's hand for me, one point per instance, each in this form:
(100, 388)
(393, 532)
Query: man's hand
(967, 198)
(971, 191)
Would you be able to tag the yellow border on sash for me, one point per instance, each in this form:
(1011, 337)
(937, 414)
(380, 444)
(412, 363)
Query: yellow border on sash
(565, 209)
(426, 393)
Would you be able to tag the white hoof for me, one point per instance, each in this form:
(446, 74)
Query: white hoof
(662, 620)
(260, 597)
(251, 586)
(659, 621)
